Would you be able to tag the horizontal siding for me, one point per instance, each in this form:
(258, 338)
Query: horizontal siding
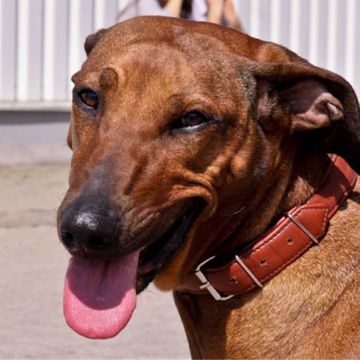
(41, 41)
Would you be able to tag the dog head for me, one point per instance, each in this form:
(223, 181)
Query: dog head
(175, 125)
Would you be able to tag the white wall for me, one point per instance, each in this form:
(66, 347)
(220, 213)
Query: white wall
(41, 46)
(326, 32)
(41, 41)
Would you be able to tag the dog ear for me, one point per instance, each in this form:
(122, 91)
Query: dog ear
(322, 107)
(92, 40)
(69, 136)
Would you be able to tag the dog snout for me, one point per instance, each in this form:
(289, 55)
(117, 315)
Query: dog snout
(89, 234)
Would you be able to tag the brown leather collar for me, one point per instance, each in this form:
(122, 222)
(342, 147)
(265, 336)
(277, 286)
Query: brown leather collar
(302, 227)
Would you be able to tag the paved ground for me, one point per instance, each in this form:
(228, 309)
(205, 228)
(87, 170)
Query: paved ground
(33, 137)
(32, 267)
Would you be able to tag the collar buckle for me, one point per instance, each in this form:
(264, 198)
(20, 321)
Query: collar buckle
(205, 284)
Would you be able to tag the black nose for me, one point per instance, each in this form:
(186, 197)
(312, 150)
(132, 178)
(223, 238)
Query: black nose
(89, 234)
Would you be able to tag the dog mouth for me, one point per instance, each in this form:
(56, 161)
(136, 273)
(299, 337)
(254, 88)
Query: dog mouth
(158, 253)
(100, 295)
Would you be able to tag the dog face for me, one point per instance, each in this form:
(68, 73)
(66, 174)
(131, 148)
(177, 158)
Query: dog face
(147, 156)
(174, 127)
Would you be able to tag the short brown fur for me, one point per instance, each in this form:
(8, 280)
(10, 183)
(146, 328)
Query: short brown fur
(278, 115)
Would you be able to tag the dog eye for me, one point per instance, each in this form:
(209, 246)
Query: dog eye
(193, 120)
(88, 98)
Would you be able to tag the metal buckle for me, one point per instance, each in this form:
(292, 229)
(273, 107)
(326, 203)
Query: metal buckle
(303, 228)
(205, 284)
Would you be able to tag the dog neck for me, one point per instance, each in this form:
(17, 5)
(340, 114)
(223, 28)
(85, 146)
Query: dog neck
(307, 173)
(256, 325)
(293, 182)
(292, 185)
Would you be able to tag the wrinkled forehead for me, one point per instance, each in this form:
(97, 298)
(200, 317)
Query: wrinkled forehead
(167, 64)
(151, 59)
(136, 65)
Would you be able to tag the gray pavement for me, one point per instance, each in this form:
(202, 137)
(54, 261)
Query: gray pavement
(33, 137)
(32, 268)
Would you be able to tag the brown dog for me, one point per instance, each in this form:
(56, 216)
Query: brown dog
(191, 140)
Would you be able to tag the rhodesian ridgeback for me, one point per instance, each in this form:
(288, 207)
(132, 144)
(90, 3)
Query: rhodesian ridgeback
(200, 161)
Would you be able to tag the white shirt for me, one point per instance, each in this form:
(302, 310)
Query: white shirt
(132, 8)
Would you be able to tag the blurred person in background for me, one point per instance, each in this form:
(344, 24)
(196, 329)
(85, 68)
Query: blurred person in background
(215, 11)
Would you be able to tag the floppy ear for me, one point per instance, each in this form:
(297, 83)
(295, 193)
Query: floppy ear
(69, 135)
(322, 107)
(92, 40)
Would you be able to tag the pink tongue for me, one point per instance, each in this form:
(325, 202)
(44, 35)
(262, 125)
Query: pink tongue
(100, 296)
